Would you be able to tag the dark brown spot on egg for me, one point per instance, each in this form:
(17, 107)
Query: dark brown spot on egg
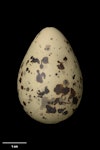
(46, 91)
(27, 89)
(47, 47)
(77, 81)
(20, 79)
(60, 89)
(50, 109)
(72, 93)
(22, 87)
(34, 60)
(27, 62)
(65, 58)
(75, 100)
(54, 102)
(60, 66)
(68, 51)
(73, 76)
(44, 117)
(74, 109)
(40, 76)
(56, 74)
(24, 103)
(65, 112)
(51, 38)
(74, 83)
(22, 73)
(27, 70)
(62, 102)
(66, 41)
(65, 82)
(61, 110)
(57, 100)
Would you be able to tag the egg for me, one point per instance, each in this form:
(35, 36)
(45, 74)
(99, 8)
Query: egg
(50, 82)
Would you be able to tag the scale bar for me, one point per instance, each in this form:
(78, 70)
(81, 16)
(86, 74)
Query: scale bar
(14, 142)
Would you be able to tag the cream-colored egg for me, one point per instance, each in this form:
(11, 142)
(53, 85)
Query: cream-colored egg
(50, 81)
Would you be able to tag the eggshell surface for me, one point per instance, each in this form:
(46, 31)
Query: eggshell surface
(50, 83)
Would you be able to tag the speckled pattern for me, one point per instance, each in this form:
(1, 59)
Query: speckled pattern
(50, 83)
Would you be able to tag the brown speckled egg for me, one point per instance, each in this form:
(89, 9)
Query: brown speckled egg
(49, 81)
